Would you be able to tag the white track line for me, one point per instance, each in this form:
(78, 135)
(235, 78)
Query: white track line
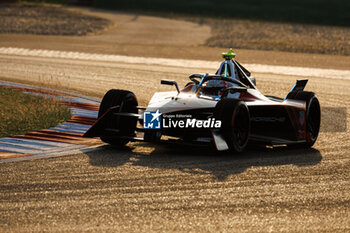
(258, 68)
(71, 128)
(84, 112)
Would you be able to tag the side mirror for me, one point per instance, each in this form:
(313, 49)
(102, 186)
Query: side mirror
(171, 83)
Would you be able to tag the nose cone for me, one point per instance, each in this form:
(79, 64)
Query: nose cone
(173, 103)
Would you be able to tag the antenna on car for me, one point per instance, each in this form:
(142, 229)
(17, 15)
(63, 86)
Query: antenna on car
(229, 55)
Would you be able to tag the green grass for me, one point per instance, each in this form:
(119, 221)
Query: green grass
(320, 12)
(22, 113)
(308, 26)
(45, 1)
(249, 34)
(47, 19)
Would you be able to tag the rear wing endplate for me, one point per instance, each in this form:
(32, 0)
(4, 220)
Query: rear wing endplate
(298, 86)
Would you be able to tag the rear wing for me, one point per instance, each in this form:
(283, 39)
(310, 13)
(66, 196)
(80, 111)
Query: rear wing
(298, 86)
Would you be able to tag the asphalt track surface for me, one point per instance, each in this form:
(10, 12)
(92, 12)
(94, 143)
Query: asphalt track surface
(145, 187)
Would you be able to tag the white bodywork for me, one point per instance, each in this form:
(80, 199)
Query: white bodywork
(172, 101)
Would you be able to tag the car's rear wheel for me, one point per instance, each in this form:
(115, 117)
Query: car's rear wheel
(235, 127)
(313, 116)
(125, 126)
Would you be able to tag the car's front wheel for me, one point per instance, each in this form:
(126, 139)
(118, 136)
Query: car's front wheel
(235, 126)
(124, 126)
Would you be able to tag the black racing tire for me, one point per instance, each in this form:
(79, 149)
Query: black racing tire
(313, 116)
(128, 103)
(235, 123)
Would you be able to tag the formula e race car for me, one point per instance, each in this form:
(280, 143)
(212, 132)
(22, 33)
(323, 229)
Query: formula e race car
(224, 109)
